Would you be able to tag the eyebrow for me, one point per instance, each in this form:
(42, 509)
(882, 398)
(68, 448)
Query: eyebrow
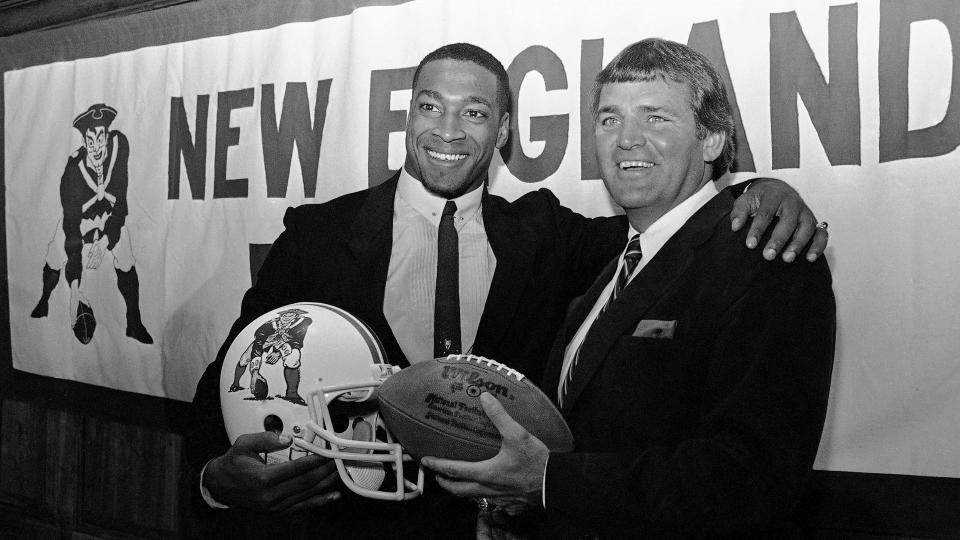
(472, 99)
(651, 108)
(480, 100)
(643, 108)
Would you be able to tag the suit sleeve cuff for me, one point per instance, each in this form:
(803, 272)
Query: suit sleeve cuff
(205, 493)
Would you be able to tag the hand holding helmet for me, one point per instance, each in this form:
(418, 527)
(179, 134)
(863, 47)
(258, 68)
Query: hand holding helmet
(241, 479)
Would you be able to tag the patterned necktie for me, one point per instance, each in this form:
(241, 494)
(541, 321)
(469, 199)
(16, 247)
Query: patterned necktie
(631, 257)
(446, 307)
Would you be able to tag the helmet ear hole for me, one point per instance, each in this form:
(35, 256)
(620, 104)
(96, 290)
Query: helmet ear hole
(273, 423)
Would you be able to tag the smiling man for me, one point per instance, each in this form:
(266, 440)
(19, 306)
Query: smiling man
(433, 264)
(693, 376)
(454, 127)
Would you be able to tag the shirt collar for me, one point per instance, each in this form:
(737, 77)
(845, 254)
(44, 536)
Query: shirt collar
(430, 206)
(657, 234)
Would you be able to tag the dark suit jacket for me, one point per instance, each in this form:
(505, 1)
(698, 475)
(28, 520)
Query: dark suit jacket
(338, 253)
(711, 432)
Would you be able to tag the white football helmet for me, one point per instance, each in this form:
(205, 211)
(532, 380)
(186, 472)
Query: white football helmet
(311, 371)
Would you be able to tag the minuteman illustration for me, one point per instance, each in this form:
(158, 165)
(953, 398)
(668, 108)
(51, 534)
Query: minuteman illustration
(93, 194)
(278, 339)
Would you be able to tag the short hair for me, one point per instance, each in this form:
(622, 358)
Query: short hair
(467, 52)
(656, 58)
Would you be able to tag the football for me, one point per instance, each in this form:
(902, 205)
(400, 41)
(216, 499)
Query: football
(433, 408)
(84, 324)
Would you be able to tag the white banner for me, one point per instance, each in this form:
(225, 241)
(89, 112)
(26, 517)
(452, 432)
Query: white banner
(855, 104)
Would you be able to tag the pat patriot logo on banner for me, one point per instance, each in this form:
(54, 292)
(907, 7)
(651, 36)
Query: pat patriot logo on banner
(93, 195)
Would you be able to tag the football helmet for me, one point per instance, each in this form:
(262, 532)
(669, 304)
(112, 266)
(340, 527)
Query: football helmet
(312, 371)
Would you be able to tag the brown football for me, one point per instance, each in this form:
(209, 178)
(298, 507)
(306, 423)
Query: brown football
(433, 408)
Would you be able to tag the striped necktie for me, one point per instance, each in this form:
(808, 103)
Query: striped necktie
(631, 257)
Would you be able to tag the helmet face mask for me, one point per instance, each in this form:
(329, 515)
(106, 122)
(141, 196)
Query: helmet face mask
(319, 385)
(363, 446)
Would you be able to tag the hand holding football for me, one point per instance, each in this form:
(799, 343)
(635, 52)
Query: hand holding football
(433, 408)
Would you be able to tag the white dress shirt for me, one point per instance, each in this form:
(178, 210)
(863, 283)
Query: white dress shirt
(408, 301)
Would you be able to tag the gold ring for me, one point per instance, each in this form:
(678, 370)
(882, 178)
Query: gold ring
(822, 225)
(484, 504)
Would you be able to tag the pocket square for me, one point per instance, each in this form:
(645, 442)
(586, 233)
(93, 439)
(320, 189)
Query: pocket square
(649, 328)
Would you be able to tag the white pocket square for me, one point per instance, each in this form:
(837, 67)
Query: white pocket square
(649, 328)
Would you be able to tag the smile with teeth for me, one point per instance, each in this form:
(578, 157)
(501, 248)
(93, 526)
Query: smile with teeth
(626, 165)
(445, 157)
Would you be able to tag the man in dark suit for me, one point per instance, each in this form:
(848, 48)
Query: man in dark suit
(694, 379)
(369, 252)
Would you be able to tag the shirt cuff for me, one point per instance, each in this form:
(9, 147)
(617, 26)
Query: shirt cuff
(543, 486)
(205, 493)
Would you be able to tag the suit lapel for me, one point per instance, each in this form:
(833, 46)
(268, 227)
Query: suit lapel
(643, 292)
(579, 311)
(370, 242)
(514, 247)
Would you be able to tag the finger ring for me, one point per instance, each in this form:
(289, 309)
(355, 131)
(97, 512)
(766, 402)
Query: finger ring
(484, 504)
(822, 225)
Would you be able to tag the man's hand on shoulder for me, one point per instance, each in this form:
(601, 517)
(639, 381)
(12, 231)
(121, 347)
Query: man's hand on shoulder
(767, 198)
(240, 479)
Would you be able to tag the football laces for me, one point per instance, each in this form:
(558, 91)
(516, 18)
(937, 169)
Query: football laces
(508, 371)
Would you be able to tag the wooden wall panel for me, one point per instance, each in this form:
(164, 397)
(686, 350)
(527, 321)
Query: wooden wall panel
(15, 526)
(130, 479)
(38, 460)
(67, 475)
(21, 461)
(26, 15)
(61, 465)
(38, 468)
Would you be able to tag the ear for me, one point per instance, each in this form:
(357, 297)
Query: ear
(712, 145)
(503, 130)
